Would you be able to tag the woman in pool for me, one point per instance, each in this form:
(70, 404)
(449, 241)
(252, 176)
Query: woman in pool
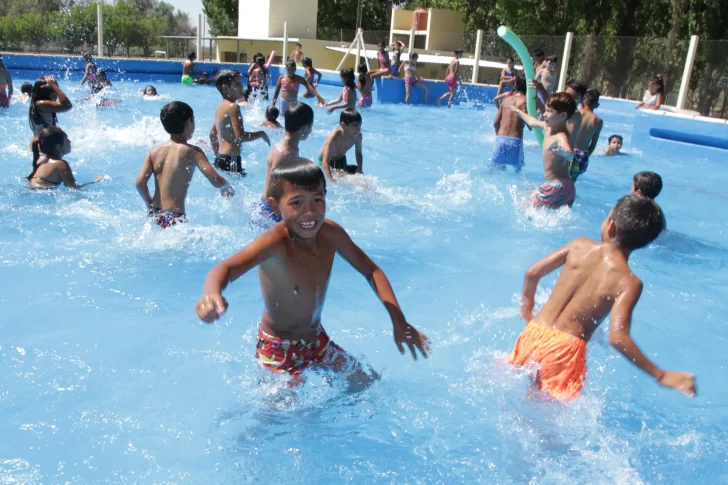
(90, 73)
(51, 170)
(46, 100)
(365, 87)
(348, 94)
(310, 74)
(288, 86)
(411, 79)
(654, 95)
(383, 60)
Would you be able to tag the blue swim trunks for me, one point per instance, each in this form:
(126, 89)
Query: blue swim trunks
(265, 217)
(579, 164)
(508, 150)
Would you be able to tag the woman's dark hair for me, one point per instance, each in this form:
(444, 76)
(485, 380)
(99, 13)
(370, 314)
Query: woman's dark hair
(307, 62)
(40, 92)
(47, 142)
(299, 172)
(348, 77)
(660, 84)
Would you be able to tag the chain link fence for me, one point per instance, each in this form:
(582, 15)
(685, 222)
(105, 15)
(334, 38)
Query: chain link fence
(708, 92)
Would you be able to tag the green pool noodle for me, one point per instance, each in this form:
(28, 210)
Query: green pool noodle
(512, 39)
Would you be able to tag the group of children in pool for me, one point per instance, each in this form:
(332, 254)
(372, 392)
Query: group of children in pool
(295, 255)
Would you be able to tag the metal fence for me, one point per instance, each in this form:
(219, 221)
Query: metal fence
(708, 92)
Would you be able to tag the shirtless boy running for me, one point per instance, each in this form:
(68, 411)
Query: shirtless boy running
(228, 133)
(298, 126)
(558, 188)
(294, 261)
(173, 165)
(596, 281)
(340, 141)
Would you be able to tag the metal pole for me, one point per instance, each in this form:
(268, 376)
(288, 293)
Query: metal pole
(363, 46)
(411, 42)
(100, 28)
(564, 61)
(199, 37)
(478, 46)
(685, 84)
(284, 59)
(358, 48)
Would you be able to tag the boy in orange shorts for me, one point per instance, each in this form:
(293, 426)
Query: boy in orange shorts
(596, 280)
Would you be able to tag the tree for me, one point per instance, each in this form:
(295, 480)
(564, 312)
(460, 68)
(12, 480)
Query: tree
(222, 16)
(76, 26)
(35, 29)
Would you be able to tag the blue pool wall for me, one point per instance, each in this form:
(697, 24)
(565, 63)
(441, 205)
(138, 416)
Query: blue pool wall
(662, 133)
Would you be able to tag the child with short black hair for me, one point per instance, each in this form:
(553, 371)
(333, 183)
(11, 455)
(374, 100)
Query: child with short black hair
(646, 184)
(51, 170)
(227, 132)
(333, 153)
(347, 98)
(615, 144)
(271, 118)
(173, 165)
(294, 260)
(596, 281)
(558, 188)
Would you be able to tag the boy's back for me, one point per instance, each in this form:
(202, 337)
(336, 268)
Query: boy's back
(591, 125)
(174, 165)
(510, 123)
(226, 114)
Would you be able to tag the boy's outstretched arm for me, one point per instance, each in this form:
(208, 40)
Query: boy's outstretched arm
(404, 333)
(528, 119)
(212, 304)
(211, 174)
(214, 140)
(236, 123)
(143, 178)
(325, 156)
(534, 274)
(620, 339)
(359, 154)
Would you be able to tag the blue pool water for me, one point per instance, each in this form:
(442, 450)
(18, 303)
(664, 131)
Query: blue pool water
(109, 377)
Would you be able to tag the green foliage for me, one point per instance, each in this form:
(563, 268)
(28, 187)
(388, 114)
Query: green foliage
(334, 15)
(222, 15)
(76, 26)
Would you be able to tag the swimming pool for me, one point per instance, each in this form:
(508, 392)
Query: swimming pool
(110, 377)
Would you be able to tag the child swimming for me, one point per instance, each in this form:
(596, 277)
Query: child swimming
(149, 91)
(227, 132)
(508, 149)
(646, 184)
(615, 145)
(348, 94)
(271, 118)
(333, 154)
(51, 170)
(558, 188)
(173, 165)
(299, 124)
(294, 260)
(596, 281)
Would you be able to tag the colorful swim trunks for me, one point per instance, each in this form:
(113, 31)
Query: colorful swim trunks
(452, 81)
(554, 193)
(365, 101)
(579, 164)
(165, 219)
(562, 359)
(230, 163)
(508, 150)
(338, 164)
(294, 356)
(411, 81)
(265, 216)
(187, 79)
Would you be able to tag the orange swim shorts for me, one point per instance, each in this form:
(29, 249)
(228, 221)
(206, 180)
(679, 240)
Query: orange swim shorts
(562, 359)
(294, 356)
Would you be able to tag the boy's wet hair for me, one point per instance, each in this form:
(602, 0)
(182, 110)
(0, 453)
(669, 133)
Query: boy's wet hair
(348, 76)
(298, 115)
(591, 98)
(300, 172)
(225, 78)
(521, 85)
(638, 221)
(307, 62)
(621, 140)
(291, 63)
(553, 59)
(191, 55)
(271, 113)
(349, 116)
(578, 87)
(47, 142)
(649, 183)
(562, 103)
(26, 88)
(174, 115)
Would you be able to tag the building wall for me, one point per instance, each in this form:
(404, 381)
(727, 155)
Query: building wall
(315, 49)
(253, 18)
(401, 19)
(300, 15)
(445, 30)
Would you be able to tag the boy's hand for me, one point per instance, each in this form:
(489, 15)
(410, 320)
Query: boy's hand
(407, 334)
(50, 81)
(211, 307)
(680, 381)
(227, 191)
